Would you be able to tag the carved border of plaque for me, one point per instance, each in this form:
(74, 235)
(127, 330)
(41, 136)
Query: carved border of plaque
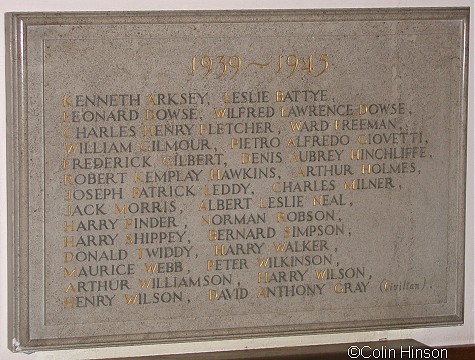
(41, 46)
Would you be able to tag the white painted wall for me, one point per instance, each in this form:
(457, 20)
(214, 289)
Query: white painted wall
(432, 336)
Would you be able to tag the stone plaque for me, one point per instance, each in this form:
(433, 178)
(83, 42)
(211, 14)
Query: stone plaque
(180, 176)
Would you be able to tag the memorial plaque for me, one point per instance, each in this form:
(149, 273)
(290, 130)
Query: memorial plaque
(180, 176)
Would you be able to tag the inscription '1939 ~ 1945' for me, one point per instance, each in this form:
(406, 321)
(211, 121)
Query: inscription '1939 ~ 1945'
(270, 173)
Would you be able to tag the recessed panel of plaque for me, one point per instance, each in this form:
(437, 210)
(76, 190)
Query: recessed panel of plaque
(202, 175)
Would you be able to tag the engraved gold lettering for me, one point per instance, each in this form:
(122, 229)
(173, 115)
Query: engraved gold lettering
(263, 262)
(235, 62)
(318, 200)
(350, 185)
(193, 65)
(138, 177)
(223, 65)
(149, 114)
(218, 249)
(145, 283)
(70, 273)
(338, 288)
(119, 210)
(147, 130)
(262, 204)
(287, 232)
(207, 63)
(294, 157)
(151, 100)
(67, 226)
(337, 124)
(71, 242)
(355, 154)
(213, 235)
(362, 139)
(320, 275)
(151, 268)
(262, 277)
(145, 146)
(363, 109)
(71, 148)
(262, 293)
(135, 192)
(293, 62)
(69, 301)
(280, 247)
(210, 264)
(129, 240)
(130, 299)
(68, 257)
(226, 97)
(215, 174)
(323, 58)
(70, 288)
(279, 63)
(308, 65)
(366, 169)
(68, 179)
(220, 113)
(67, 101)
(296, 126)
